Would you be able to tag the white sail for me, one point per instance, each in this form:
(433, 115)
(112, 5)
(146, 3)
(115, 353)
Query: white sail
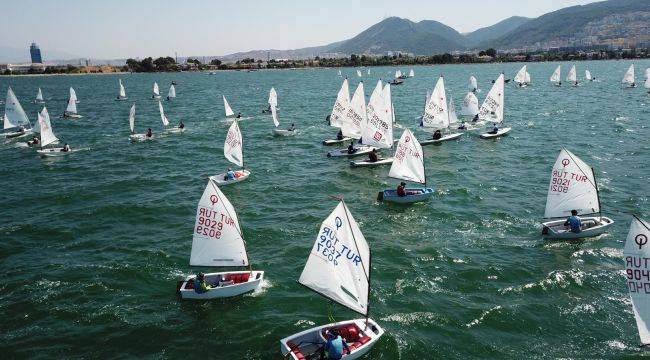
(122, 90)
(398, 74)
(453, 118)
(72, 106)
(233, 147)
(647, 79)
(47, 135)
(341, 105)
(386, 95)
(368, 71)
(163, 117)
(274, 115)
(14, 114)
(273, 98)
(409, 159)
(377, 130)
(573, 75)
(132, 118)
(492, 108)
(73, 95)
(636, 254)
(588, 75)
(359, 73)
(473, 84)
(572, 187)
(340, 73)
(520, 78)
(355, 116)
(217, 239)
(226, 106)
(527, 78)
(557, 74)
(470, 105)
(436, 115)
(339, 262)
(629, 75)
(411, 73)
(172, 92)
(156, 90)
(39, 95)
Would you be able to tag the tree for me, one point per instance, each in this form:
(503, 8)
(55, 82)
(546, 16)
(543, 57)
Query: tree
(215, 62)
(491, 52)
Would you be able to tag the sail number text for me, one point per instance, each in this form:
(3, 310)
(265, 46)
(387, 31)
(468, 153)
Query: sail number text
(330, 248)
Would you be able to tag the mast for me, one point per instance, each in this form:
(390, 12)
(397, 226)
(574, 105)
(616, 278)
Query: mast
(600, 211)
(362, 264)
(243, 163)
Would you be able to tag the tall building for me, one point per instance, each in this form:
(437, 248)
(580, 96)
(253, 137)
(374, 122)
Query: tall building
(35, 52)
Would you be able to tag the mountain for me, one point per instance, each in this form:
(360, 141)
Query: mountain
(15, 55)
(596, 22)
(304, 53)
(495, 31)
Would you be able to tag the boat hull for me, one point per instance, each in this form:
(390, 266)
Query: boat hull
(413, 195)
(53, 152)
(444, 138)
(72, 116)
(174, 130)
(367, 163)
(18, 134)
(336, 141)
(501, 132)
(359, 337)
(361, 150)
(139, 137)
(591, 226)
(219, 178)
(236, 283)
(284, 132)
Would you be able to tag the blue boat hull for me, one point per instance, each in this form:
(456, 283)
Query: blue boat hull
(413, 195)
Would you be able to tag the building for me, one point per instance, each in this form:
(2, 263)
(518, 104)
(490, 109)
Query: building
(35, 52)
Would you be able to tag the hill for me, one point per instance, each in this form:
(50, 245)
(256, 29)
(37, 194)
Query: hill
(495, 31)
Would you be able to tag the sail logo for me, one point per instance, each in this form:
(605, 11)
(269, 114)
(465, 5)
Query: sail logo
(214, 199)
(378, 136)
(565, 162)
(641, 240)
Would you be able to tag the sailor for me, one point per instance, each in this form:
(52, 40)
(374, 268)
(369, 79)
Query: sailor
(351, 149)
(333, 349)
(574, 222)
(462, 126)
(401, 189)
(149, 133)
(200, 286)
(230, 175)
(35, 141)
(339, 135)
(239, 115)
(494, 130)
(181, 125)
(372, 156)
(475, 119)
(292, 127)
(65, 147)
(437, 135)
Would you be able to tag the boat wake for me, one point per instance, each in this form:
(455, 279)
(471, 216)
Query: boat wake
(483, 315)
(261, 289)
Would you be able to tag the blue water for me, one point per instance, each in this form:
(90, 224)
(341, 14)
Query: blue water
(92, 244)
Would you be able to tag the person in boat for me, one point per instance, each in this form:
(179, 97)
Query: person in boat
(372, 156)
(462, 126)
(201, 286)
(475, 118)
(437, 135)
(230, 175)
(328, 119)
(168, 98)
(574, 222)
(494, 130)
(401, 189)
(65, 147)
(351, 148)
(181, 125)
(35, 141)
(292, 127)
(149, 133)
(339, 135)
(239, 115)
(333, 349)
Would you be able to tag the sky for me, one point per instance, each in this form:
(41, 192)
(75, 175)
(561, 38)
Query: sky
(139, 28)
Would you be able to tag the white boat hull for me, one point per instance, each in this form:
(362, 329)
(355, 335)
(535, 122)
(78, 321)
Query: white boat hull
(307, 344)
(591, 226)
(18, 134)
(139, 137)
(361, 150)
(174, 130)
(413, 195)
(225, 284)
(72, 116)
(121, 99)
(499, 133)
(444, 138)
(336, 141)
(284, 132)
(240, 175)
(53, 152)
(368, 163)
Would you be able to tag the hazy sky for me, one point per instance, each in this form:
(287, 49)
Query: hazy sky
(138, 28)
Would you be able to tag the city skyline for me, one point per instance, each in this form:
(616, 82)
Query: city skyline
(145, 28)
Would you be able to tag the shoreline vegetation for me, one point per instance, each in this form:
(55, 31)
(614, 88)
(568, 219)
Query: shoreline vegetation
(169, 64)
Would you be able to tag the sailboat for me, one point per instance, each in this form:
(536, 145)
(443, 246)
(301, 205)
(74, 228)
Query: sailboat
(629, 77)
(48, 138)
(556, 77)
(337, 117)
(411, 73)
(522, 77)
(136, 137)
(492, 109)
(218, 241)
(71, 110)
(353, 121)
(573, 187)
(636, 253)
(398, 80)
(436, 115)
(228, 109)
(122, 94)
(340, 75)
(233, 150)
(470, 105)
(401, 75)
(359, 73)
(156, 91)
(280, 132)
(39, 97)
(473, 84)
(338, 269)
(647, 79)
(15, 118)
(408, 165)
(588, 76)
(377, 131)
(368, 72)
(172, 92)
(572, 78)
(273, 99)
(165, 121)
